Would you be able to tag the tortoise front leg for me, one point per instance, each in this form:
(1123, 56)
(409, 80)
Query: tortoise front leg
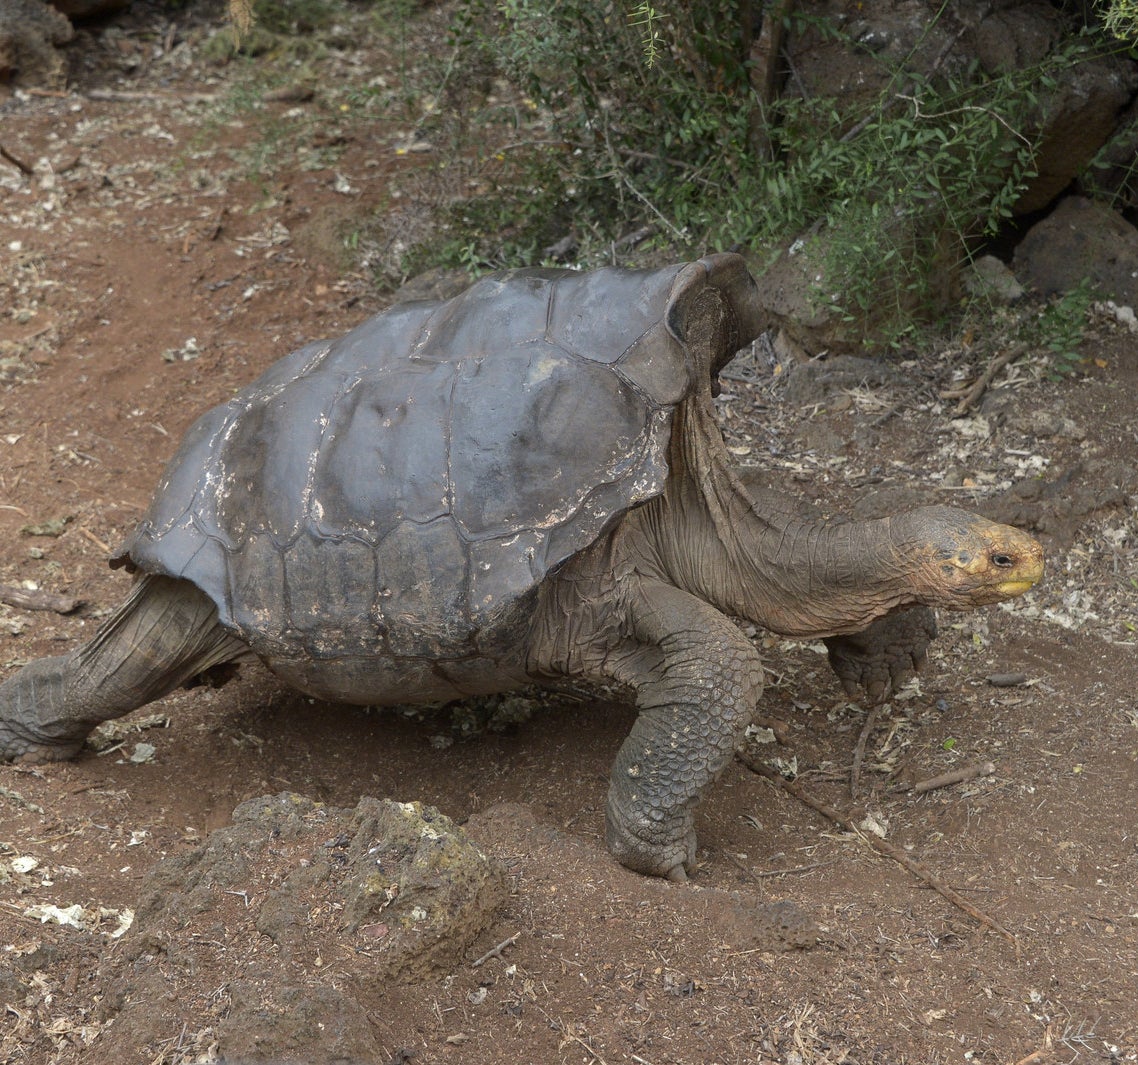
(163, 635)
(697, 686)
(883, 656)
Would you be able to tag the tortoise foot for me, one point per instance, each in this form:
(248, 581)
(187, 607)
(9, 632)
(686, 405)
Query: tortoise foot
(34, 725)
(656, 847)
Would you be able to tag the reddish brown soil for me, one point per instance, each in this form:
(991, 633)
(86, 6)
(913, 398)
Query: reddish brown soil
(143, 227)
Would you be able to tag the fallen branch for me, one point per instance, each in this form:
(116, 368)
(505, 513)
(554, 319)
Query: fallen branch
(577, 1039)
(957, 776)
(973, 394)
(19, 164)
(27, 600)
(879, 845)
(105, 548)
(496, 952)
(780, 728)
(764, 53)
(769, 874)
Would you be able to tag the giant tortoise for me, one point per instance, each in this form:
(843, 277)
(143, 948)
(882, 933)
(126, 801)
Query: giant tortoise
(521, 484)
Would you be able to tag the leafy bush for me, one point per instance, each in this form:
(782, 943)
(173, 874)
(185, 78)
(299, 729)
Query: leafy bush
(639, 115)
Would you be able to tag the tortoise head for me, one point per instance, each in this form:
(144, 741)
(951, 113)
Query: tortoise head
(965, 561)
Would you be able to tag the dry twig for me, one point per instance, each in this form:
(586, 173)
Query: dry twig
(780, 728)
(973, 393)
(104, 547)
(859, 750)
(957, 776)
(496, 951)
(126, 96)
(879, 845)
(19, 164)
(38, 600)
(577, 1039)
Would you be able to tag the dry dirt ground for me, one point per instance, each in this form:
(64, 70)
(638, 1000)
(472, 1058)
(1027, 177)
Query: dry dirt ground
(150, 265)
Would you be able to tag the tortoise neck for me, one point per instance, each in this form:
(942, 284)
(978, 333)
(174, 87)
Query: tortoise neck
(756, 559)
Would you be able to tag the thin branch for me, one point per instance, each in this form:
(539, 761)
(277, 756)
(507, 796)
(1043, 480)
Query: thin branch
(905, 94)
(101, 545)
(577, 1039)
(957, 776)
(38, 600)
(972, 396)
(859, 750)
(879, 845)
(19, 164)
(495, 951)
(918, 113)
(124, 96)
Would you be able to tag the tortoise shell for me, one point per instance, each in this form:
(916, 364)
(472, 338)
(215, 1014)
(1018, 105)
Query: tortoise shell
(404, 489)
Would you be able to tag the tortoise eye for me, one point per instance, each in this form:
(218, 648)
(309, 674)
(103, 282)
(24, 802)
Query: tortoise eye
(1003, 561)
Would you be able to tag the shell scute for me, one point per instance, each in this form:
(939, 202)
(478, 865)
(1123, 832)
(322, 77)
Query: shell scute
(421, 574)
(265, 477)
(329, 605)
(598, 315)
(255, 602)
(521, 450)
(382, 457)
(496, 312)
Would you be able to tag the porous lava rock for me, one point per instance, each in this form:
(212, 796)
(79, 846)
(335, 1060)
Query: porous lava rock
(270, 939)
(1081, 241)
(29, 32)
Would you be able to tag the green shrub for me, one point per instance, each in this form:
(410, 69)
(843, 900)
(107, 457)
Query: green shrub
(634, 115)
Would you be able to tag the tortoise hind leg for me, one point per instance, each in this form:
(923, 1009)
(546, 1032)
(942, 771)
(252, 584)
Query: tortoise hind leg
(163, 635)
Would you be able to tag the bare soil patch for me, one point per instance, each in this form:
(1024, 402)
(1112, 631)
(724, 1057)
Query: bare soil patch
(168, 247)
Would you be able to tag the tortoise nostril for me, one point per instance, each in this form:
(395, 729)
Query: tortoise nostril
(1003, 561)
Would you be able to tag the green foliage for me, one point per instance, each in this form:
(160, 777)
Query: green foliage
(1121, 18)
(634, 114)
(608, 135)
(1061, 326)
(646, 18)
(902, 202)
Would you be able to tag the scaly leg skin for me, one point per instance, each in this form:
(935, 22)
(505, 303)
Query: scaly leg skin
(696, 696)
(34, 723)
(163, 635)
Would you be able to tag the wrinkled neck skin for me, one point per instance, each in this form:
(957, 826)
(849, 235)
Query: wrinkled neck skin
(785, 574)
